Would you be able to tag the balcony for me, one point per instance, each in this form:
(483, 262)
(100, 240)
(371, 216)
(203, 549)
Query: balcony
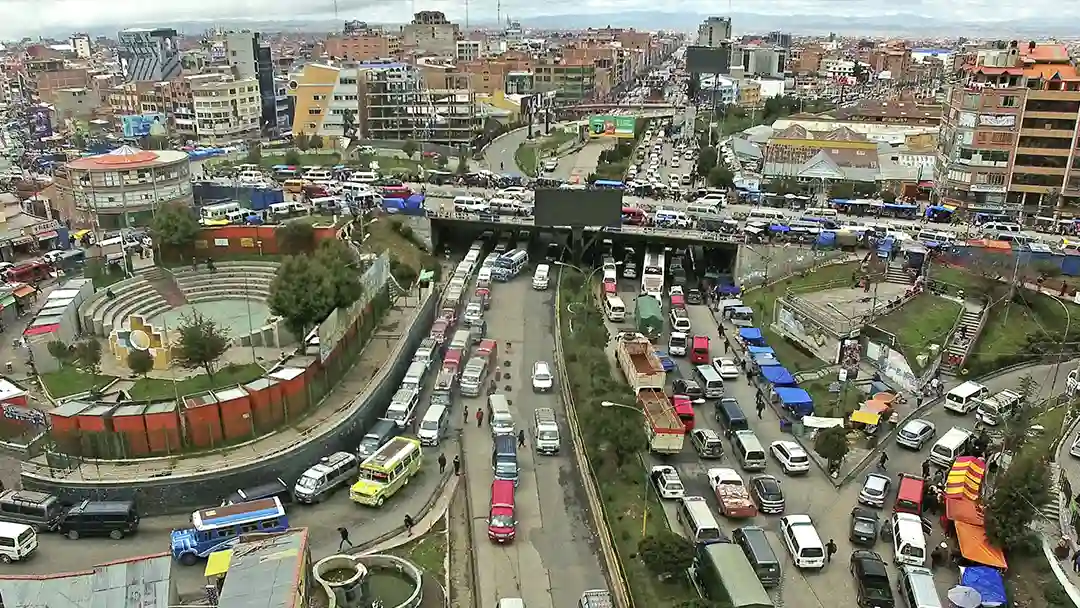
(1043, 151)
(1036, 115)
(1030, 188)
(1034, 94)
(1017, 169)
(1046, 133)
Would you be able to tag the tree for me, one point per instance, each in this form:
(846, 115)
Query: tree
(202, 342)
(336, 257)
(315, 142)
(1020, 492)
(254, 154)
(462, 165)
(831, 444)
(175, 226)
(88, 357)
(301, 294)
(620, 435)
(721, 177)
(706, 161)
(302, 142)
(140, 362)
(292, 157)
(63, 353)
(295, 237)
(1016, 426)
(842, 190)
(666, 554)
(410, 148)
(78, 141)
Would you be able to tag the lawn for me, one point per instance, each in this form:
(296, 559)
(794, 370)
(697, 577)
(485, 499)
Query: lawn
(70, 381)
(529, 154)
(307, 159)
(390, 234)
(428, 551)
(327, 158)
(836, 405)
(152, 388)
(927, 319)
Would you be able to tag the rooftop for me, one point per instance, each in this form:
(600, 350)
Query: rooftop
(265, 570)
(138, 582)
(127, 158)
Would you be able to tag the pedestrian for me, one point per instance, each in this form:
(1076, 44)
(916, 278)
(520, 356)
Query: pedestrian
(344, 538)
(442, 463)
(926, 469)
(830, 550)
(760, 409)
(727, 347)
(465, 413)
(408, 524)
(479, 417)
(883, 461)
(508, 347)
(749, 375)
(457, 465)
(521, 438)
(1076, 561)
(194, 263)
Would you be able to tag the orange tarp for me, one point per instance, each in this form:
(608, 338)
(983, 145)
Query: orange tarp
(965, 477)
(875, 406)
(961, 509)
(975, 546)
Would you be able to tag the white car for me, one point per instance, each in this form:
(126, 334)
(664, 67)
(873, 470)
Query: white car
(542, 380)
(667, 482)
(803, 541)
(726, 367)
(791, 456)
(472, 206)
(676, 290)
(551, 165)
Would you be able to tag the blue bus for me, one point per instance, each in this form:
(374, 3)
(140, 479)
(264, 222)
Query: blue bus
(608, 184)
(219, 528)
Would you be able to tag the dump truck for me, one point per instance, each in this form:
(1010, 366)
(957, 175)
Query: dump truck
(731, 493)
(638, 362)
(596, 598)
(665, 431)
(649, 316)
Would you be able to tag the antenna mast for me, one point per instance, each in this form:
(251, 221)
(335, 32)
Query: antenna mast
(498, 12)
(466, 14)
(335, 11)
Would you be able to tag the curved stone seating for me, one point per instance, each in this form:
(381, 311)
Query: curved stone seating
(148, 307)
(89, 309)
(227, 291)
(104, 315)
(228, 281)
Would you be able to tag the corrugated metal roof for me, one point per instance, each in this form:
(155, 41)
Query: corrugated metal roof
(136, 583)
(264, 570)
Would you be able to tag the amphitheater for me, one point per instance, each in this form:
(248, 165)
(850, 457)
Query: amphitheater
(234, 295)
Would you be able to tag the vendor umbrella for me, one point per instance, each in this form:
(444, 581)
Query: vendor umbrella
(965, 597)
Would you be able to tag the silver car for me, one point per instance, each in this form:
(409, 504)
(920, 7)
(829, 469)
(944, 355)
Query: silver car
(875, 490)
(916, 433)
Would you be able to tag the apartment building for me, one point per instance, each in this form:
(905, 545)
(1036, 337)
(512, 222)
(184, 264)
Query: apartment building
(359, 43)
(714, 31)
(1008, 139)
(468, 50)
(766, 61)
(430, 33)
(149, 55)
(43, 77)
(896, 112)
(75, 104)
(226, 109)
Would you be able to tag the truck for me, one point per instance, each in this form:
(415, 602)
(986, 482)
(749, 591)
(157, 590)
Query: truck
(596, 598)
(731, 493)
(665, 431)
(649, 316)
(472, 379)
(997, 408)
(638, 362)
(872, 588)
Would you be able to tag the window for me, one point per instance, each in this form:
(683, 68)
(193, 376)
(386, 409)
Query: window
(314, 111)
(1001, 138)
(1009, 101)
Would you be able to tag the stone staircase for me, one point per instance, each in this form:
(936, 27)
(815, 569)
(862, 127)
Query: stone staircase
(961, 341)
(896, 275)
(164, 283)
(1052, 509)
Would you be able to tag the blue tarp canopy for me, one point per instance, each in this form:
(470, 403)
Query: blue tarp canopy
(254, 219)
(779, 228)
(899, 206)
(827, 238)
(988, 582)
(937, 209)
(759, 350)
(765, 359)
(778, 375)
(796, 399)
(750, 333)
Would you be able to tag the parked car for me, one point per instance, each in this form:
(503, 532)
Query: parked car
(690, 388)
(667, 482)
(916, 433)
(864, 526)
(767, 493)
(875, 490)
(872, 588)
(727, 368)
(791, 456)
(707, 443)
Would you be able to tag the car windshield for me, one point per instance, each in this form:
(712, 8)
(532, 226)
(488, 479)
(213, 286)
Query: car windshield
(306, 482)
(502, 521)
(394, 414)
(505, 469)
(541, 377)
(369, 444)
(865, 525)
(429, 425)
(798, 457)
(769, 486)
(873, 487)
(549, 435)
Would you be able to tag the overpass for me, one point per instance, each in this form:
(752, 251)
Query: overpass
(622, 106)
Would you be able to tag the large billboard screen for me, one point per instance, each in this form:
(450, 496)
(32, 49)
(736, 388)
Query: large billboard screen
(578, 208)
(41, 122)
(612, 126)
(141, 125)
(708, 60)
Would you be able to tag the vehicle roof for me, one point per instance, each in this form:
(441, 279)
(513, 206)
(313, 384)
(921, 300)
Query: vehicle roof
(791, 446)
(724, 474)
(917, 423)
(863, 512)
(11, 529)
(967, 389)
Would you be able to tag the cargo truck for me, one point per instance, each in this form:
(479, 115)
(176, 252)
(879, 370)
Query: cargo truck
(638, 362)
(665, 431)
(649, 316)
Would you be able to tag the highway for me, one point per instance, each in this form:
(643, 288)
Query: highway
(553, 558)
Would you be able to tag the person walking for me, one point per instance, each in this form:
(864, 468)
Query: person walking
(457, 465)
(521, 438)
(479, 417)
(442, 463)
(1076, 561)
(465, 413)
(926, 469)
(883, 461)
(409, 523)
(344, 532)
(760, 409)
(830, 550)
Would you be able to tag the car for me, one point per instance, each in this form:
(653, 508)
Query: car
(916, 433)
(707, 443)
(872, 587)
(791, 456)
(666, 481)
(875, 490)
(865, 525)
(542, 380)
(551, 165)
(690, 388)
(472, 206)
(726, 367)
(676, 290)
(665, 360)
(767, 493)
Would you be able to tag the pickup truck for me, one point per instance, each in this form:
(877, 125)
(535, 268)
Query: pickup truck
(871, 580)
(666, 432)
(639, 363)
(731, 493)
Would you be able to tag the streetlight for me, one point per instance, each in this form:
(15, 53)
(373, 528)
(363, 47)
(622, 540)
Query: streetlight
(1064, 337)
(645, 490)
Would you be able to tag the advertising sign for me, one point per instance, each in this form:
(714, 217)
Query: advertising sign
(141, 125)
(578, 208)
(612, 126)
(41, 122)
(709, 60)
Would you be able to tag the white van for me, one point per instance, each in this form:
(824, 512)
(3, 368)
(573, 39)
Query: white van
(218, 212)
(614, 308)
(934, 236)
(698, 521)
(766, 215)
(951, 445)
(318, 174)
(680, 321)
(803, 541)
(17, 541)
(470, 204)
(677, 344)
(414, 376)
(499, 416)
(540, 277)
(433, 426)
(820, 212)
(483, 278)
(965, 397)
(909, 540)
(356, 189)
(711, 382)
(364, 177)
(670, 218)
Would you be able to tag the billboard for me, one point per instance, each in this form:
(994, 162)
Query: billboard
(141, 125)
(578, 208)
(41, 122)
(708, 60)
(612, 126)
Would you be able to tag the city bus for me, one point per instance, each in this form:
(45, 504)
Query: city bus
(219, 528)
(387, 471)
(652, 273)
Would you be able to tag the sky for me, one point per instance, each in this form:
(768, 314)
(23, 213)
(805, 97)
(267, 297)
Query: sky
(28, 17)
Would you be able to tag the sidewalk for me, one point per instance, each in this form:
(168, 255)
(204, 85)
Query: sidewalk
(423, 525)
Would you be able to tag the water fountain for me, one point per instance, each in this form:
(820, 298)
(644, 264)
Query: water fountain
(369, 581)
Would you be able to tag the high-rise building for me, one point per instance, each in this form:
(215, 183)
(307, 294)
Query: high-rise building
(780, 39)
(713, 31)
(82, 46)
(149, 55)
(430, 33)
(249, 58)
(226, 108)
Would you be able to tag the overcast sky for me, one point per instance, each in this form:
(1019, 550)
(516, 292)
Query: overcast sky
(26, 17)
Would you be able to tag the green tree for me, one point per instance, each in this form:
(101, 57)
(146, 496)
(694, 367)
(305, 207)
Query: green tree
(410, 148)
(174, 227)
(858, 72)
(63, 353)
(706, 160)
(620, 433)
(462, 165)
(1020, 492)
(302, 142)
(301, 294)
(140, 362)
(721, 177)
(295, 237)
(315, 142)
(831, 444)
(78, 140)
(1015, 427)
(292, 157)
(88, 357)
(254, 154)
(202, 342)
(843, 190)
(340, 265)
(666, 554)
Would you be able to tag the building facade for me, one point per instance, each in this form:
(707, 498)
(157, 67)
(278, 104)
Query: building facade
(149, 55)
(714, 31)
(226, 109)
(430, 33)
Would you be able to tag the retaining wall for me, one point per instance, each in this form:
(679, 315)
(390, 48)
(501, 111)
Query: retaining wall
(189, 492)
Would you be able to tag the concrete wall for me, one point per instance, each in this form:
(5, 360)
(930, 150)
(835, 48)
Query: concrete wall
(187, 493)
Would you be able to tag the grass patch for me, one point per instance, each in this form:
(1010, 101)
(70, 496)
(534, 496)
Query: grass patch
(924, 320)
(837, 405)
(70, 381)
(1030, 583)
(397, 236)
(307, 159)
(230, 375)
(322, 220)
(428, 551)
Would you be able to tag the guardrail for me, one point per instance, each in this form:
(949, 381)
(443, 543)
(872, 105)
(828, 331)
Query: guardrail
(612, 562)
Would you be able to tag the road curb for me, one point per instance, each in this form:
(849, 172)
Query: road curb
(366, 547)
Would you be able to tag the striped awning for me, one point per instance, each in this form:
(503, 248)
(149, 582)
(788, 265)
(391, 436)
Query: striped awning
(966, 477)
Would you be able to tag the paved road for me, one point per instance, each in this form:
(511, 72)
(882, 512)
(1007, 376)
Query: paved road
(502, 151)
(553, 557)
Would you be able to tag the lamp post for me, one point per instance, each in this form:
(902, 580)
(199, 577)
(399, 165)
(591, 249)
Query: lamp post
(645, 491)
(1064, 337)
